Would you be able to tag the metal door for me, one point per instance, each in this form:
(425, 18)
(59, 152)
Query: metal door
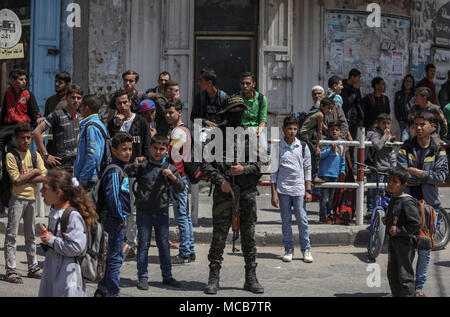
(275, 57)
(45, 46)
(178, 46)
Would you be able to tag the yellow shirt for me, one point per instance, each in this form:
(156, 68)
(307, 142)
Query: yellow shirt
(25, 191)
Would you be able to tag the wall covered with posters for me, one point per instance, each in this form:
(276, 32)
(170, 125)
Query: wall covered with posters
(376, 52)
(430, 21)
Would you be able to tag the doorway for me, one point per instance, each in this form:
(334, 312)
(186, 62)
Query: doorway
(225, 40)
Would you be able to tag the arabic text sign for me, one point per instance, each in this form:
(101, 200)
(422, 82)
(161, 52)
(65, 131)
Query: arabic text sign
(10, 29)
(12, 53)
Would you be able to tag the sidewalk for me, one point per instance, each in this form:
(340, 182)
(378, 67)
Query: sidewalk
(268, 227)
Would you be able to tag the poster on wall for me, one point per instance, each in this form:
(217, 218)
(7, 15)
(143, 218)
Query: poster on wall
(376, 52)
(441, 26)
(441, 59)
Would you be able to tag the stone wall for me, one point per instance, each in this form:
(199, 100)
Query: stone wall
(108, 32)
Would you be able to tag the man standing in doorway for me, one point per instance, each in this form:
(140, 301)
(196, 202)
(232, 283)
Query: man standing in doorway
(208, 103)
(256, 115)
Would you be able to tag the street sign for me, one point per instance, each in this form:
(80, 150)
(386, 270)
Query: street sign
(12, 53)
(10, 29)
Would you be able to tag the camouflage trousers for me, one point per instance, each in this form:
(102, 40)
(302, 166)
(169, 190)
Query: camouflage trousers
(222, 218)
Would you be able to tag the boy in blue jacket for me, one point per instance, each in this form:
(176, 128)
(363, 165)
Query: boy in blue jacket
(154, 177)
(115, 195)
(332, 166)
(91, 143)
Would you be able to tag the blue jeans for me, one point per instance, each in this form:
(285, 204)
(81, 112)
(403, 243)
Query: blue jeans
(110, 284)
(326, 198)
(145, 223)
(373, 192)
(184, 221)
(423, 262)
(286, 204)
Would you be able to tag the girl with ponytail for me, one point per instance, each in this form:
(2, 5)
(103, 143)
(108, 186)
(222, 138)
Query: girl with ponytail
(62, 274)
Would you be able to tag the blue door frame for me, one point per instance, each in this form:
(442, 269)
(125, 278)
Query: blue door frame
(45, 48)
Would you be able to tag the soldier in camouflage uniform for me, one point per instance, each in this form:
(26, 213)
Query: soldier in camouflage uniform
(233, 180)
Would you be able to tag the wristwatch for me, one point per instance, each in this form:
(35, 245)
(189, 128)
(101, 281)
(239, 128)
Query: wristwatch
(46, 155)
(309, 191)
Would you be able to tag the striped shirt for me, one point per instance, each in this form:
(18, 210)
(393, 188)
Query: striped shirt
(65, 130)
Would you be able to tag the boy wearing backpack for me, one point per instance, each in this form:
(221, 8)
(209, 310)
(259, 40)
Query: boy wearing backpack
(154, 177)
(426, 162)
(291, 188)
(25, 169)
(402, 223)
(91, 143)
(310, 131)
(115, 195)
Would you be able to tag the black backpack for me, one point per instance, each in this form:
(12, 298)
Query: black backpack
(107, 154)
(93, 259)
(5, 183)
(96, 194)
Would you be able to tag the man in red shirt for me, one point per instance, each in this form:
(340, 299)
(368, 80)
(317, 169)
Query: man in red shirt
(430, 73)
(19, 105)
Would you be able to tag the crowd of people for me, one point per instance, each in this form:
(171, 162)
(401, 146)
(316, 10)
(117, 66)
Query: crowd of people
(130, 154)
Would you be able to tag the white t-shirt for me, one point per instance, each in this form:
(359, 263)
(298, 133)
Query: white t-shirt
(126, 125)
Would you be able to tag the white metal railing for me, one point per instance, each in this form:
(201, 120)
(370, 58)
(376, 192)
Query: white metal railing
(360, 184)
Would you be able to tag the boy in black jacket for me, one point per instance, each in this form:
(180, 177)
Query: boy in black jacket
(402, 222)
(154, 177)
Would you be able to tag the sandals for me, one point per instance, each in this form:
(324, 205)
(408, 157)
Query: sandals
(14, 278)
(419, 293)
(37, 274)
(173, 245)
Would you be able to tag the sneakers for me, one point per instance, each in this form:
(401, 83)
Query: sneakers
(143, 285)
(288, 256)
(307, 256)
(192, 257)
(172, 282)
(180, 260)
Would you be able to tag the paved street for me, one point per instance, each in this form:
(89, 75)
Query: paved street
(336, 272)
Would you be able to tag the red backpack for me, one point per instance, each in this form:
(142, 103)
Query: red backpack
(344, 202)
